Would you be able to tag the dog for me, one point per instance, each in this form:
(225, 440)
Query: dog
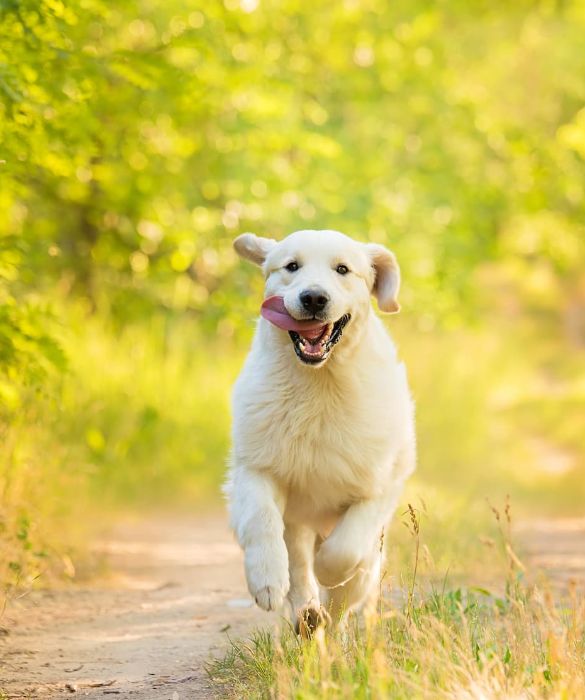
(323, 426)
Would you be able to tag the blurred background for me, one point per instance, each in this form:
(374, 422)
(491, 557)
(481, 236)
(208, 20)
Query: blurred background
(138, 138)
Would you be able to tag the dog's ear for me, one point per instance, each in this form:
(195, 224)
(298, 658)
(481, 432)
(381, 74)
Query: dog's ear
(254, 248)
(387, 277)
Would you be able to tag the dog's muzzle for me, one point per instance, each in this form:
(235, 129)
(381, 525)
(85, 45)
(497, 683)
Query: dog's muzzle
(313, 347)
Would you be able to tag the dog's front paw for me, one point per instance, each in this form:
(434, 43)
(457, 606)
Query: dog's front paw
(337, 561)
(267, 575)
(269, 597)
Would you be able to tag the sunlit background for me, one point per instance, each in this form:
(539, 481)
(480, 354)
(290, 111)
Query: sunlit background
(139, 138)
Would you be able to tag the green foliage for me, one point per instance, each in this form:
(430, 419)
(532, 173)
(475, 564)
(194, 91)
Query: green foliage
(137, 138)
(140, 137)
(29, 352)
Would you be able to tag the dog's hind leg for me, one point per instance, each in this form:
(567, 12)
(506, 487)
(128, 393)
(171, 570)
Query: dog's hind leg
(361, 592)
(303, 595)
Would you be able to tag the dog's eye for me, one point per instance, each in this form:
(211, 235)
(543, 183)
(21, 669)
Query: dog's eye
(342, 269)
(292, 266)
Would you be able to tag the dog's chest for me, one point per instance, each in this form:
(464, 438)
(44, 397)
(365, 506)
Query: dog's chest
(325, 443)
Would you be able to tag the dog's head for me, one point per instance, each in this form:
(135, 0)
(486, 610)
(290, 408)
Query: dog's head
(319, 283)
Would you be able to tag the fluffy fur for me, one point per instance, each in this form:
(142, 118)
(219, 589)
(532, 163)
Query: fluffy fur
(320, 453)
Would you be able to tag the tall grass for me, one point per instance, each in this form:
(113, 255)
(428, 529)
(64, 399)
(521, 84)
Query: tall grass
(140, 418)
(440, 642)
(152, 407)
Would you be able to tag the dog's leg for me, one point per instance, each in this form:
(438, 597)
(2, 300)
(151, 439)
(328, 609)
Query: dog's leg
(306, 611)
(256, 507)
(355, 537)
(360, 592)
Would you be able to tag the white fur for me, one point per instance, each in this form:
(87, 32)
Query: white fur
(320, 454)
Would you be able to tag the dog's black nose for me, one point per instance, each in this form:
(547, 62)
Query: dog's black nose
(314, 300)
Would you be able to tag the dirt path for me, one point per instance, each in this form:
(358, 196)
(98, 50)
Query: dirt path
(555, 547)
(176, 589)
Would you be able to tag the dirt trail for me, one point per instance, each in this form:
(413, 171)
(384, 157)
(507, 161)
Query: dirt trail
(176, 589)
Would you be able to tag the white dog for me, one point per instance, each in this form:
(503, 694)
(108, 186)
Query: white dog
(323, 425)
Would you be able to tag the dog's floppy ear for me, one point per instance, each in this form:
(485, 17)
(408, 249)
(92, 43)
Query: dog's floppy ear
(387, 277)
(254, 248)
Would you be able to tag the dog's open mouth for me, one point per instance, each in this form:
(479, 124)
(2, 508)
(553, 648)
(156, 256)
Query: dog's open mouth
(313, 346)
(313, 338)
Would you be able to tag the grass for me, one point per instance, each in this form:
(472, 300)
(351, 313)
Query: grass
(440, 642)
(140, 419)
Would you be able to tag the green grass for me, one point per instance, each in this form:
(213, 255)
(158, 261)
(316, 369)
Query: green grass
(511, 641)
(457, 644)
(154, 411)
(139, 419)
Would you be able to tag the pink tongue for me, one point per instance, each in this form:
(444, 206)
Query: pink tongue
(274, 310)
